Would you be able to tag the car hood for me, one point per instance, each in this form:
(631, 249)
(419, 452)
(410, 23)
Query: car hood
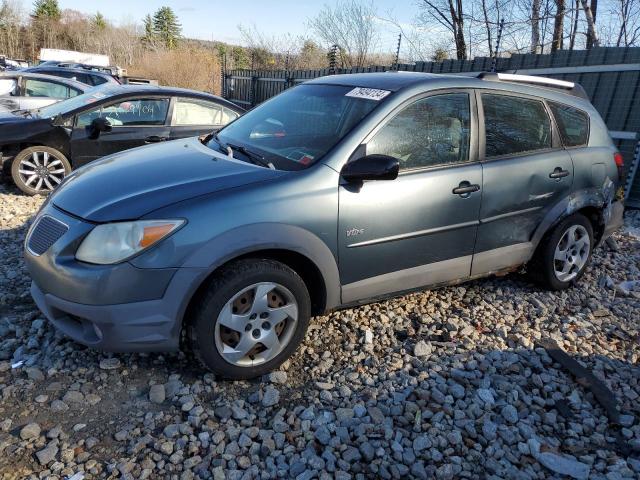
(7, 117)
(16, 127)
(130, 184)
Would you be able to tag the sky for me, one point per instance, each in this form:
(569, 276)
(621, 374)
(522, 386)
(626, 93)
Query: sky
(219, 20)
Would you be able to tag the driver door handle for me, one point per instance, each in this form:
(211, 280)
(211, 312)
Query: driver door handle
(155, 139)
(465, 189)
(558, 173)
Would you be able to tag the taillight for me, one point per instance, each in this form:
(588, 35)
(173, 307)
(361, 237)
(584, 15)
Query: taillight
(617, 157)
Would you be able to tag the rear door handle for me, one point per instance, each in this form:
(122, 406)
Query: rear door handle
(465, 189)
(154, 139)
(559, 173)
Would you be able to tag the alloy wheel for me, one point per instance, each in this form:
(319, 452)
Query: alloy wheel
(41, 171)
(572, 253)
(256, 324)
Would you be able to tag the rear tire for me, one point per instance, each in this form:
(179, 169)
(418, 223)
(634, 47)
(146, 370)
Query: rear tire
(564, 254)
(251, 318)
(39, 170)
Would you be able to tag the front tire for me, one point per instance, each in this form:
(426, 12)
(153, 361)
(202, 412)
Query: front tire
(39, 170)
(564, 254)
(251, 318)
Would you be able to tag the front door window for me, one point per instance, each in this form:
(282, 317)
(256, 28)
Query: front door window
(132, 112)
(429, 132)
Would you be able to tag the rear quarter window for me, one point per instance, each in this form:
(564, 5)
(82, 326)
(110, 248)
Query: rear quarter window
(96, 80)
(573, 124)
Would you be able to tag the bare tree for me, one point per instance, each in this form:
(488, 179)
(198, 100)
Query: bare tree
(628, 14)
(575, 17)
(11, 19)
(558, 26)
(450, 15)
(487, 24)
(535, 26)
(592, 35)
(351, 24)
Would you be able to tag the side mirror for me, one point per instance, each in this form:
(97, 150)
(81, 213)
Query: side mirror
(97, 126)
(58, 121)
(371, 167)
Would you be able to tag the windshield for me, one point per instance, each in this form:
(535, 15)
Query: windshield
(93, 95)
(298, 127)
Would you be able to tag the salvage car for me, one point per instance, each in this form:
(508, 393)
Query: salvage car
(87, 76)
(25, 91)
(337, 192)
(40, 147)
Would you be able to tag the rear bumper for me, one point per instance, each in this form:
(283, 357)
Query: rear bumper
(614, 219)
(144, 326)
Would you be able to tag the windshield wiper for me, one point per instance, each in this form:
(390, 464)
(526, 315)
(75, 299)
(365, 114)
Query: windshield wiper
(255, 158)
(224, 148)
(23, 112)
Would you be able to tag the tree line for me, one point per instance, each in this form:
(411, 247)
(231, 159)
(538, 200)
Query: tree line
(443, 29)
(440, 29)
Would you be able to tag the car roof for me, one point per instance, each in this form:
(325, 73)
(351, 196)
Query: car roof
(114, 90)
(79, 71)
(41, 76)
(391, 80)
(398, 80)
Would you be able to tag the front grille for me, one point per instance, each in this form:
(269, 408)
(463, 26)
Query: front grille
(45, 233)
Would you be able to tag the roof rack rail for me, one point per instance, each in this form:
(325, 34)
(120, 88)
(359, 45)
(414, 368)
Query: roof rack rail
(571, 88)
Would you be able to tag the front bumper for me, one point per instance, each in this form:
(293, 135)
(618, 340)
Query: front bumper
(145, 326)
(110, 307)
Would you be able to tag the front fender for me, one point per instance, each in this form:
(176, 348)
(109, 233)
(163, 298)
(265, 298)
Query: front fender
(265, 236)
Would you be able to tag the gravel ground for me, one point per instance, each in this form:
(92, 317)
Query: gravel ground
(441, 384)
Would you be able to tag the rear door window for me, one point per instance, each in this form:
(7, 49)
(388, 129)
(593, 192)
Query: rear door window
(515, 125)
(196, 112)
(228, 116)
(95, 80)
(573, 124)
(45, 88)
(73, 75)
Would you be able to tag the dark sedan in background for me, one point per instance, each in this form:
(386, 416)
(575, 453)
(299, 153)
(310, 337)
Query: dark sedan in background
(86, 75)
(40, 147)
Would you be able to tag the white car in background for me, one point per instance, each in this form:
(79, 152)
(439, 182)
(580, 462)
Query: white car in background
(27, 91)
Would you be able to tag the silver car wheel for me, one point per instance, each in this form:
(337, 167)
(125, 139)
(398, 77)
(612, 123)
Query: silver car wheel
(572, 253)
(41, 171)
(256, 324)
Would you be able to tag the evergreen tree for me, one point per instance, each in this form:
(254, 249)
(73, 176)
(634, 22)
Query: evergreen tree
(166, 27)
(46, 10)
(148, 28)
(99, 21)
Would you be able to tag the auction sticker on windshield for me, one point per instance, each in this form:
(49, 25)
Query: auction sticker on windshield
(368, 93)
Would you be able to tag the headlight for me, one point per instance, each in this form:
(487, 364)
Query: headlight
(115, 242)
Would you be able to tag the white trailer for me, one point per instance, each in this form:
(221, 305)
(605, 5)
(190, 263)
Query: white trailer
(53, 54)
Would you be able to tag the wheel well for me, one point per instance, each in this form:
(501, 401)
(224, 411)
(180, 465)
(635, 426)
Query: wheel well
(595, 216)
(302, 265)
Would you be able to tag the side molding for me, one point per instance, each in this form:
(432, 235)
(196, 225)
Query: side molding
(410, 278)
(501, 258)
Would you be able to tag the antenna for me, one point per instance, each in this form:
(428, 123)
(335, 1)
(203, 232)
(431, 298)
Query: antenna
(494, 62)
(223, 71)
(395, 65)
(333, 54)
